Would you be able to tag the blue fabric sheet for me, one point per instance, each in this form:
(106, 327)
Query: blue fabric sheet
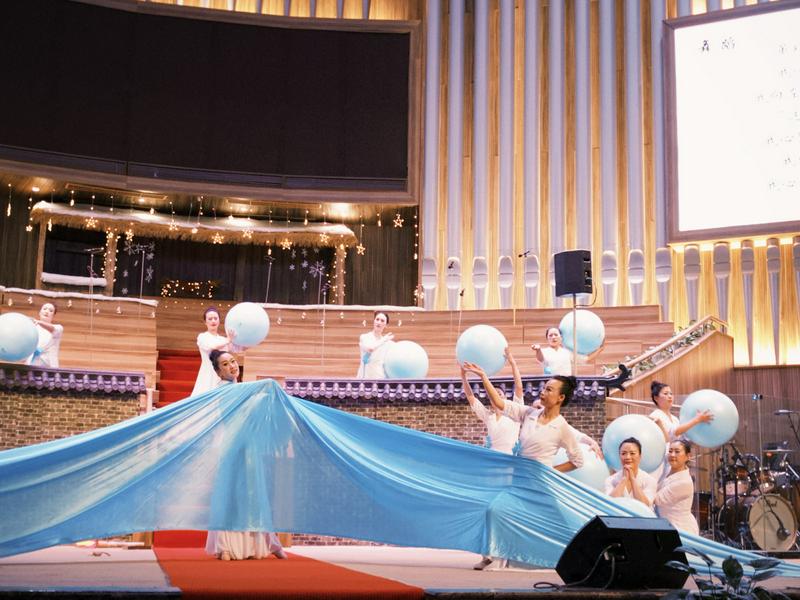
(250, 457)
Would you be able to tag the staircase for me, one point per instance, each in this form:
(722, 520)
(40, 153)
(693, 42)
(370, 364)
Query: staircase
(178, 371)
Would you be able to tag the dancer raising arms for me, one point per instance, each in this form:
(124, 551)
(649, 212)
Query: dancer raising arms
(502, 432)
(543, 430)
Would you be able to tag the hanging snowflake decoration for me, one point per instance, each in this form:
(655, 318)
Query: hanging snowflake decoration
(291, 267)
(125, 273)
(149, 256)
(294, 253)
(318, 268)
(304, 264)
(124, 291)
(305, 287)
(148, 276)
(304, 252)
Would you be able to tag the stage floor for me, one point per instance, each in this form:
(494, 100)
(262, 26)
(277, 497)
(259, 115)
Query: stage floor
(122, 573)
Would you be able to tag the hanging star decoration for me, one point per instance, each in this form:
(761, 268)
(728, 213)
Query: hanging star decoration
(360, 249)
(324, 237)
(217, 238)
(129, 234)
(247, 234)
(91, 222)
(398, 220)
(286, 244)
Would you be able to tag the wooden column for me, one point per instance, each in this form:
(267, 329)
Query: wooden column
(40, 256)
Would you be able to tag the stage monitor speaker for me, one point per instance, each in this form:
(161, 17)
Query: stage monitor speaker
(623, 553)
(573, 272)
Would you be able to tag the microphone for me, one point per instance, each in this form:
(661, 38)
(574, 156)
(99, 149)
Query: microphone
(524, 254)
(784, 411)
(451, 265)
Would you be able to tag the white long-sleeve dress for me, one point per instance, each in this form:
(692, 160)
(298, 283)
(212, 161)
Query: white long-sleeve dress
(541, 441)
(674, 501)
(502, 432)
(47, 347)
(371, 365)
(207, 378)
(241, 545)
(670, 423)
(647, 484)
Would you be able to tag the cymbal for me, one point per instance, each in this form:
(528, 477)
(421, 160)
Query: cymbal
(778, 451)
(697, 468)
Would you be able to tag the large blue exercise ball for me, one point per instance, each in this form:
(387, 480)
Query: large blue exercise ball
(483, 345)
(406, 360)
(594, 471)
(18, 336)
(248, 324)
(635, 506)
(591, 331)
(724, 425)
(643, 429)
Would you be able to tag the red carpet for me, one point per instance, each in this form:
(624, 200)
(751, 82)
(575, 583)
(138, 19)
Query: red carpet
(201, 576)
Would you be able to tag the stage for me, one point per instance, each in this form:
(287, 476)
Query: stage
(310, 572)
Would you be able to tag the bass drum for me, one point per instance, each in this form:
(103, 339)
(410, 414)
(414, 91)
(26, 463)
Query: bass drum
(767, 522)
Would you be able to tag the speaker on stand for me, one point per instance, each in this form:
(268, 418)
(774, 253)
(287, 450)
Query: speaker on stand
(573, 274)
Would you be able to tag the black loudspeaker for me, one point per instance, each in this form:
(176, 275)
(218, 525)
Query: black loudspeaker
(573, 272)
(623, 553)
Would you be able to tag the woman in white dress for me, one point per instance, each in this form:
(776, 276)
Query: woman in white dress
(46, 354)
(554, 357)
(373, 346)
(543, 430)
(669, 424)
(631, 481)
(502, 433)
(238, 545)
(676, 489)
(207, 341)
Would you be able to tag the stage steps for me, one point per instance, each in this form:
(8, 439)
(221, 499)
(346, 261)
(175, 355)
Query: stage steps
(178, 372)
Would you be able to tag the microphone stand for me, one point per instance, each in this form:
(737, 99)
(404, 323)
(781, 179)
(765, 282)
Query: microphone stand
(92, 252)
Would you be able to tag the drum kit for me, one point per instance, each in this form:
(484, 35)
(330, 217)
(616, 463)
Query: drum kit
(754, 502)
